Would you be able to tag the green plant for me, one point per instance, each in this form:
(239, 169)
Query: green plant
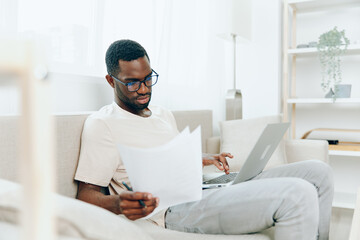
(331, 46)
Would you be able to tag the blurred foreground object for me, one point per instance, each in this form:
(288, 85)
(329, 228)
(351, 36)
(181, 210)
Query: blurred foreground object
(22, 60)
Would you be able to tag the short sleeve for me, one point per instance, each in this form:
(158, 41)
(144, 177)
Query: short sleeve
(99, 157)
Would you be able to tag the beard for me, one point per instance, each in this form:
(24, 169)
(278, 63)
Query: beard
(131, 101)
(140, 106)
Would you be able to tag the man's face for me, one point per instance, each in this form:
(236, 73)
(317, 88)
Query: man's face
(135, 70)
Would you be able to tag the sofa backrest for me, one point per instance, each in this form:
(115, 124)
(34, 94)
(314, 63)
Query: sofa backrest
(68, 138)
(193, 119)
(68, 133)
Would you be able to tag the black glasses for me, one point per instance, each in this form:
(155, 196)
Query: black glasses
(134, 86)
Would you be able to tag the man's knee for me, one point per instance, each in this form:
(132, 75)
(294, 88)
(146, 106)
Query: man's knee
(320, 169)
(302, 197)
(300, 201)
(320, 166)
(303, 190)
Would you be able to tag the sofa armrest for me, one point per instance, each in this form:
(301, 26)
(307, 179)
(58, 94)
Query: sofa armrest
(300, 150)
(213, 145)
(355, 225)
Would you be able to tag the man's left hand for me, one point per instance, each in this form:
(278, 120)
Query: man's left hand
(219, 160)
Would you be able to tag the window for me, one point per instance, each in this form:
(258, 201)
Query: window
(67, 28)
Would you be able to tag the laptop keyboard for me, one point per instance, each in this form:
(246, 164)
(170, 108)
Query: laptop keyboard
(225, 178)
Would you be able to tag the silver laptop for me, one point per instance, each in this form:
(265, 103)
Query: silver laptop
(257, 159)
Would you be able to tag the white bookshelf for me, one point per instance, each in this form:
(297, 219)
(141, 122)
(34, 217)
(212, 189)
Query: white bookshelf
(323, 100)
(344, 153)
(293, 77)
(344, 200)
(352, 49)
(303, 6)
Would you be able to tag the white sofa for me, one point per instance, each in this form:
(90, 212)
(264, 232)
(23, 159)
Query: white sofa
(68, 129)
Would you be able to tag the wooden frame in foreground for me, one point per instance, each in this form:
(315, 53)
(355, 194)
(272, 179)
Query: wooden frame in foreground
(22, 60)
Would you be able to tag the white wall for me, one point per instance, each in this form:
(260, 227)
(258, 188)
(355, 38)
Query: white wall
(72, 93)
(260, 62)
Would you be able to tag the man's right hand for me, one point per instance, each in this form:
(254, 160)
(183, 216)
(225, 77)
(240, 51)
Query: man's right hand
(126, 203)
(131, 208)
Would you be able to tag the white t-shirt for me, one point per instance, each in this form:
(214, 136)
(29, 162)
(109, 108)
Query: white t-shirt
(100, 163)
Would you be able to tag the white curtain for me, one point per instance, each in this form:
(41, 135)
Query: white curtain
(181, 39)
(180, 36)
(194, 63)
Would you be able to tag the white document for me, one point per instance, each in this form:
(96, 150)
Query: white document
(172, 172)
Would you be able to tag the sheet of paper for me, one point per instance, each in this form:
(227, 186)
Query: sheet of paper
(172, 172)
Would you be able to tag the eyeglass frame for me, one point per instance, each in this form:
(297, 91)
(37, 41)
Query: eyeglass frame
(141, 81)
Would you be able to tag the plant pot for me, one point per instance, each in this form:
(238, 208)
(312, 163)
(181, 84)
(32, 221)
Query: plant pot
(343, 91)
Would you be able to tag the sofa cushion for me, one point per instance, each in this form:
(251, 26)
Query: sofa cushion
(74, 218)
(159, 233)
(10, 231)
(77, 220)
(238, 137)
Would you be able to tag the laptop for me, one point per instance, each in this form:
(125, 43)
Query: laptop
(257, 159)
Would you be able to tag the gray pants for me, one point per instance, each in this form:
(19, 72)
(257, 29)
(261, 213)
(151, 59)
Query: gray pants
(295, 198)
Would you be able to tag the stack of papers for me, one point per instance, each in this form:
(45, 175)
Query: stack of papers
(172, 172)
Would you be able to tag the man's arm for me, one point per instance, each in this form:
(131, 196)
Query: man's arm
(126, 203)
(219, 160)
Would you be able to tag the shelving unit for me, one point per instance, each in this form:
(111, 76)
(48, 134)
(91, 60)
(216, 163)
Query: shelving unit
(344, 200)
(344, 153)
(318, 5)
(323, 100)
(292, 55)
(352, 49)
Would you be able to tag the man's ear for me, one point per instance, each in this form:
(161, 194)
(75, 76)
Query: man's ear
(110, 80)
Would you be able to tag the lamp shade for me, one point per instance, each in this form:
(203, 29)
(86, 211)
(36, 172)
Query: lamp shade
(239, 21)
(241, 18)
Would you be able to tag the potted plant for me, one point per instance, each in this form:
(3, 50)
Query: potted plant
(331, 46)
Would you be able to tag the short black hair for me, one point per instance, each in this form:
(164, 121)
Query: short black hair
(126, 50)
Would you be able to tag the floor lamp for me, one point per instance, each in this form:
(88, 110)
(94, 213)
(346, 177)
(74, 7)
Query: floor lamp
(240, 23)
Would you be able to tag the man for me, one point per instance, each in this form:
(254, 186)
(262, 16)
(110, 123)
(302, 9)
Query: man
(295, 198)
